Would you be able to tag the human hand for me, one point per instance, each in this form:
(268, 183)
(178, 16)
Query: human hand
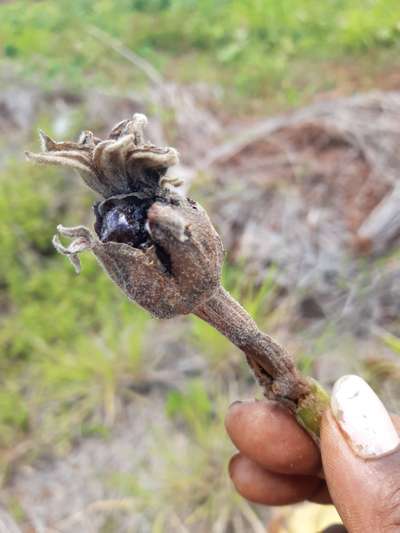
(357, 468)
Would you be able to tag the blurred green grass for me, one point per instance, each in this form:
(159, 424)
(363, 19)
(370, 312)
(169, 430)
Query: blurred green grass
(65, 341)
(253, 47)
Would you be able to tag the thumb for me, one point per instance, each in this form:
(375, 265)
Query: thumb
(361, 458)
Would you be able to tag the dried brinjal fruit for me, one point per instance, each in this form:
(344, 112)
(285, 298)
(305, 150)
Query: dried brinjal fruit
(161, 249)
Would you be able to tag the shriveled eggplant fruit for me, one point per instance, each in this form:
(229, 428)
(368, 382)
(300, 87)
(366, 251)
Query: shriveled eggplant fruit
(161, 249)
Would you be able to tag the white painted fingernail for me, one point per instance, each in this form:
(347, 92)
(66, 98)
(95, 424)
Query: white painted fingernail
(363, 418)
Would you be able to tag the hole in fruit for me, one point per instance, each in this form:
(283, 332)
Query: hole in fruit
(123, 220)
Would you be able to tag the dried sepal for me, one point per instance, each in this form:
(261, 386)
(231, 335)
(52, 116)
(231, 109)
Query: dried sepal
(120, 164)
(84, 240)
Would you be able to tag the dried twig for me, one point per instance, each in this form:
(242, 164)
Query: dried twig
(147, 68)
(340, 115)
(313, 218)
(382, 225)
(98, 506)
(7, 523)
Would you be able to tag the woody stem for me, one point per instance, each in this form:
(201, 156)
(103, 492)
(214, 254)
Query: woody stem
(273, 366)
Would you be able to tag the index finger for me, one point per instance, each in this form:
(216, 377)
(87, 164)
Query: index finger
(267, 433)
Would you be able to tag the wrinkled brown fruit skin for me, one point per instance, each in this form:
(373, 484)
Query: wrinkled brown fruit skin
(179, 266)
(182, 228)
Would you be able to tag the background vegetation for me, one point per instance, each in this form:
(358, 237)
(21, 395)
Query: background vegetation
(73, 353)
(256, 47)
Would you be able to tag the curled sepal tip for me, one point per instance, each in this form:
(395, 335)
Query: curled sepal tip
(84, 241)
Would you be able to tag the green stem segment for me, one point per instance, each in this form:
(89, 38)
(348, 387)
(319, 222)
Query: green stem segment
(273, 366)
(310, 409)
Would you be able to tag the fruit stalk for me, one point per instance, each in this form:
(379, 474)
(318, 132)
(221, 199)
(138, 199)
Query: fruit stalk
(272, 365)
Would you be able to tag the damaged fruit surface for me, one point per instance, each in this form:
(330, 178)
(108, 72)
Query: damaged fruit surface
(157, 246)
